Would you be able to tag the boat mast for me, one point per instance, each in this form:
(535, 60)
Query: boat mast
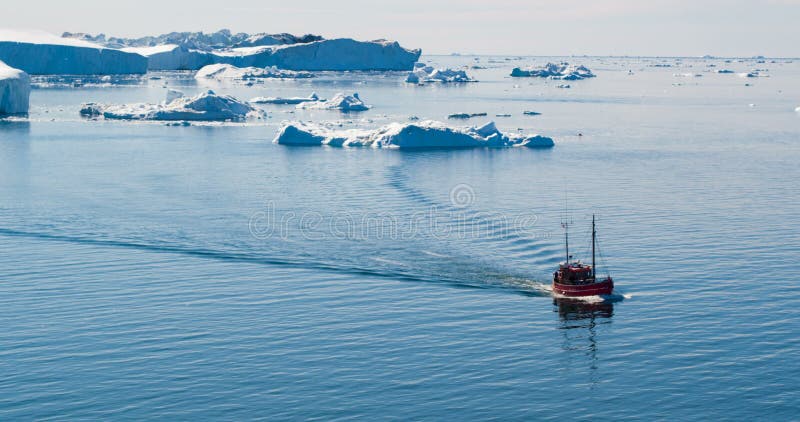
(566, 239)
(594, 235)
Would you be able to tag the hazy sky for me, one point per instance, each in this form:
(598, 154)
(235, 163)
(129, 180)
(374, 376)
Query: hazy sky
(538, 27)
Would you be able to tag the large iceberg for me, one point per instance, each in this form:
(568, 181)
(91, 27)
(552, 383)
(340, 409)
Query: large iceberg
(221, 72)
(15, 90)
(39, 53)
(337, 54)
(197, 40)
(193, 50)
(172, 57)
(562, 70)
(206, 106)
(339, 101)
(422, 74)
(418, 135)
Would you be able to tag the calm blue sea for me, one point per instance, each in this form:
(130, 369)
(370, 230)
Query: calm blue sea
(203, 272)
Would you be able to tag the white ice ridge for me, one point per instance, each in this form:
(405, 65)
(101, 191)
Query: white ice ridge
(339, 101)
(15, 90)
(206, 106)
(423, 73)
(285, 100)
(562, 70)
(40, 53)
(221, 72)
(417, 135)
(337, 54)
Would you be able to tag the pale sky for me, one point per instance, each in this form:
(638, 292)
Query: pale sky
(523, 27)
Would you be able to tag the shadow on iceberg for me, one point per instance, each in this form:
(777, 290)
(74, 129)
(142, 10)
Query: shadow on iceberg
(420, 135)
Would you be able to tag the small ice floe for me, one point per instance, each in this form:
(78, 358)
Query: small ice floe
(562, 70)
(748, 75)
(339, 101)
(15, 90)
(502, 115)
(285, 100)
(222, 72)
(423, 74)
(531, 113)
(687, 75)
(564, 86)
(725, 71)
(465, 115)
(206, 106)
(425, 134)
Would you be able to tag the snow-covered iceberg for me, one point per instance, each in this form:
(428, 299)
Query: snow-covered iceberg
(337, 54)
(562, 70)
(172, 57)
(422, 74)
(339, 101)
(15, 90)
(206, 106)
(417, 135)
(222, 72)
(285, 100)
(193, 50)
(40, 53)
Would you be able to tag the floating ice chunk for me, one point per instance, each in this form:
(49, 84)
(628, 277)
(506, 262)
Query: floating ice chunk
(15, 90)
(502, 115)
(424, 73)
(91, 109)
(40, 53)
(564, 86)
(285, 100)
(748, 75)
(562, 70)
(725, 71)
(221, 72)
(174, 94)
(206, 106)
(531, 113)
(465, 115)
(339, 101)
(418, 135)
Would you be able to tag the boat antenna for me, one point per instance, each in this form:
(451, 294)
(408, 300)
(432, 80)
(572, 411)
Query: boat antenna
(565, 222)
(594, 236)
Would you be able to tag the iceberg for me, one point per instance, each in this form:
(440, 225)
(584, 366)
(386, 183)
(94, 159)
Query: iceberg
(221, 72)
(285, 100)
(339, 101)
(562, 70)
(418, 135)
(422, 74)
(39, 53)
(206, 106)
(172, 57)
(465, 115)
(337, 54)
(193, 50)
(15, 90)
(197, 40)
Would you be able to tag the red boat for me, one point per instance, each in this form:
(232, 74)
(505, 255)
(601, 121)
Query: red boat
(575, 278)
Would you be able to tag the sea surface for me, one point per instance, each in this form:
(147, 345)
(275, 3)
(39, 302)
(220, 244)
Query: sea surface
(202, 272)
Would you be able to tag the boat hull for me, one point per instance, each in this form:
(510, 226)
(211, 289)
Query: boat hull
(604, 287)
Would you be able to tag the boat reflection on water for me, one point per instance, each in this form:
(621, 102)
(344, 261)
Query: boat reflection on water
(579, 322)
(578, 310)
